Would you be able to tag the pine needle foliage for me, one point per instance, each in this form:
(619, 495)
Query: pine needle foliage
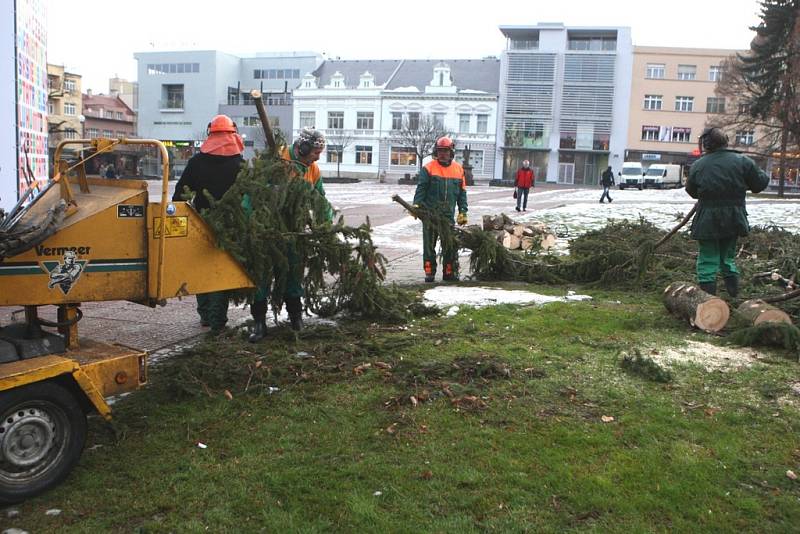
(644, 367)
(780, 335)
(272, 222)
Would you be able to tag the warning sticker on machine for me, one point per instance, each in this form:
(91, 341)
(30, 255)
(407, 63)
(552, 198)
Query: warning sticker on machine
(126, 211)
(176, 227)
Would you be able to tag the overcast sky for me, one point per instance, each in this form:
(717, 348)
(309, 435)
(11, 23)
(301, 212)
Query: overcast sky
(97, 39)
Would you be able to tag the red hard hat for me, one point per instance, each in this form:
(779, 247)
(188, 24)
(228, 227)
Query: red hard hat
(445, 143)
(221, 123)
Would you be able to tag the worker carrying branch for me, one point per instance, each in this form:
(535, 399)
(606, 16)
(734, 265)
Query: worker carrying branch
(441, 187)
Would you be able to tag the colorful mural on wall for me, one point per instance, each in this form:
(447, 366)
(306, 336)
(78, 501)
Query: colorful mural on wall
(31, 75)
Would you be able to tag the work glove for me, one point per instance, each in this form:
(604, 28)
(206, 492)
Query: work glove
(461, 220)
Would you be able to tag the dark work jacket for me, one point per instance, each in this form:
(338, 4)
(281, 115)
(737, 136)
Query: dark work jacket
(607, 178)
(720, 180)
(214, 174)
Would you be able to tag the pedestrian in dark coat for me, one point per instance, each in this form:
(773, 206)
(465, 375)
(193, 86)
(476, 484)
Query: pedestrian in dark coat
(523, 183)
(720, 180)
(213, 170)
(607, 181)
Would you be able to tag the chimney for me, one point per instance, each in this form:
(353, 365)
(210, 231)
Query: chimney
(88, 92)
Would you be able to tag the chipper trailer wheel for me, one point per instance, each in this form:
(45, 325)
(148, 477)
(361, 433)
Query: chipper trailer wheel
(42, 433)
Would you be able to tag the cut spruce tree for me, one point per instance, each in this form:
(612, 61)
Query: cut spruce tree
(689, 302)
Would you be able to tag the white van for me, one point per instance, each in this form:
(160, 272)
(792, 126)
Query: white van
(631, 175)
(662, 176)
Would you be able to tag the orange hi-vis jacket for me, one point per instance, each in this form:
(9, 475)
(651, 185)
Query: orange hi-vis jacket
(442, 188)
(309, 173)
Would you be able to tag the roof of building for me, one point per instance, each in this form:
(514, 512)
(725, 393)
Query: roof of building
(106, 102)
(468, 74)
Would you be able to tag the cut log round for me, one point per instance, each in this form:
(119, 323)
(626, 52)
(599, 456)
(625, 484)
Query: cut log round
(687, 301)
(757, 312)
(511, 242)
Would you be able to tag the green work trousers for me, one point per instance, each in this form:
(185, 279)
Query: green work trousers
(715, 255)
(294, 287)
(213, 309)
(429, 238)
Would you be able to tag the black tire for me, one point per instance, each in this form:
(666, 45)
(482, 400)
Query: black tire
(621, 187)
(42, 434)
(640, 187)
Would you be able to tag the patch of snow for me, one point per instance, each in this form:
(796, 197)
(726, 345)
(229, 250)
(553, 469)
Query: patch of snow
(408, 89)
(479, 297)
(708, 356)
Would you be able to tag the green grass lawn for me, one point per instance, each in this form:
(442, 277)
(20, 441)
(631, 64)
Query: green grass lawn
(497, 419)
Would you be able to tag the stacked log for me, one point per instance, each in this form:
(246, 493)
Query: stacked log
(516, 236)
(757, 312)
(689, 302)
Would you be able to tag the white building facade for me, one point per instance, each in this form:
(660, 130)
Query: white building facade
(564, 102)
(361, 105)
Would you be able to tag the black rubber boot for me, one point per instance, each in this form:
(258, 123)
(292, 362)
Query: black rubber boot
(732, 286)
(709, 287)
(259, 311)
(259, 330)
(295, 309)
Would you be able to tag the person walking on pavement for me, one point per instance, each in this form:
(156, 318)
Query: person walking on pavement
(606, 180)
(301, 157)
(213, 170)
(523, 183)
(720, 180)
(441, 187)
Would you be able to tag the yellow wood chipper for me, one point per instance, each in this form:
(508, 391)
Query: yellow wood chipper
(85, 239)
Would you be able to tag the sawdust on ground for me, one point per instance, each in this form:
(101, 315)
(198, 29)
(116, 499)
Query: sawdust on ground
(710, 357)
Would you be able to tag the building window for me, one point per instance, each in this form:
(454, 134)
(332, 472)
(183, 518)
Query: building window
(744, 108)
(335, 120)
(681, 135)
(252, 120)
(745, 137)
(687, 72)
(70, 134)
(172, 68)
(233, 96)
(173, 96)
(438, 120)
(69, 86)
(413, 121)
(363, 155)
(50, 108)
(308, 119)
(463, 122)
(69, 108)
(592, 43)
(91, 133)
(483, 124)
(524, 44)
(650, 133)
(118, 115)
(652, 102)
(715, 104)
(475, 159)
(397, 120)
(364, 121)
(403, 156)
(684, 103)
(714, 73)
(109, 114)
(121, 134)
(655, 70)
(334, 153)
(108, 133)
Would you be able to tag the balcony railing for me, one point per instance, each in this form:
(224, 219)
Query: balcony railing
(172, 105)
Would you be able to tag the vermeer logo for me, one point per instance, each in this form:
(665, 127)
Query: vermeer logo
(65, 274)
(59, 251)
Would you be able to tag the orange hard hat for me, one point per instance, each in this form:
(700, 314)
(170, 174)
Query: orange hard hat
(221, 123)
(445, 143)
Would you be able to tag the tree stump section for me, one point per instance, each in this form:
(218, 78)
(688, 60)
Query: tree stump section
(757, 312)
(687, 301)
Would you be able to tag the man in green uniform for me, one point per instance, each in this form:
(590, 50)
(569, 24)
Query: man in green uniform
(441, 186)
(720, 180)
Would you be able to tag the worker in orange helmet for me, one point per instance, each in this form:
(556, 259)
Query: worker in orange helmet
(213, 170)
(441, 187)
